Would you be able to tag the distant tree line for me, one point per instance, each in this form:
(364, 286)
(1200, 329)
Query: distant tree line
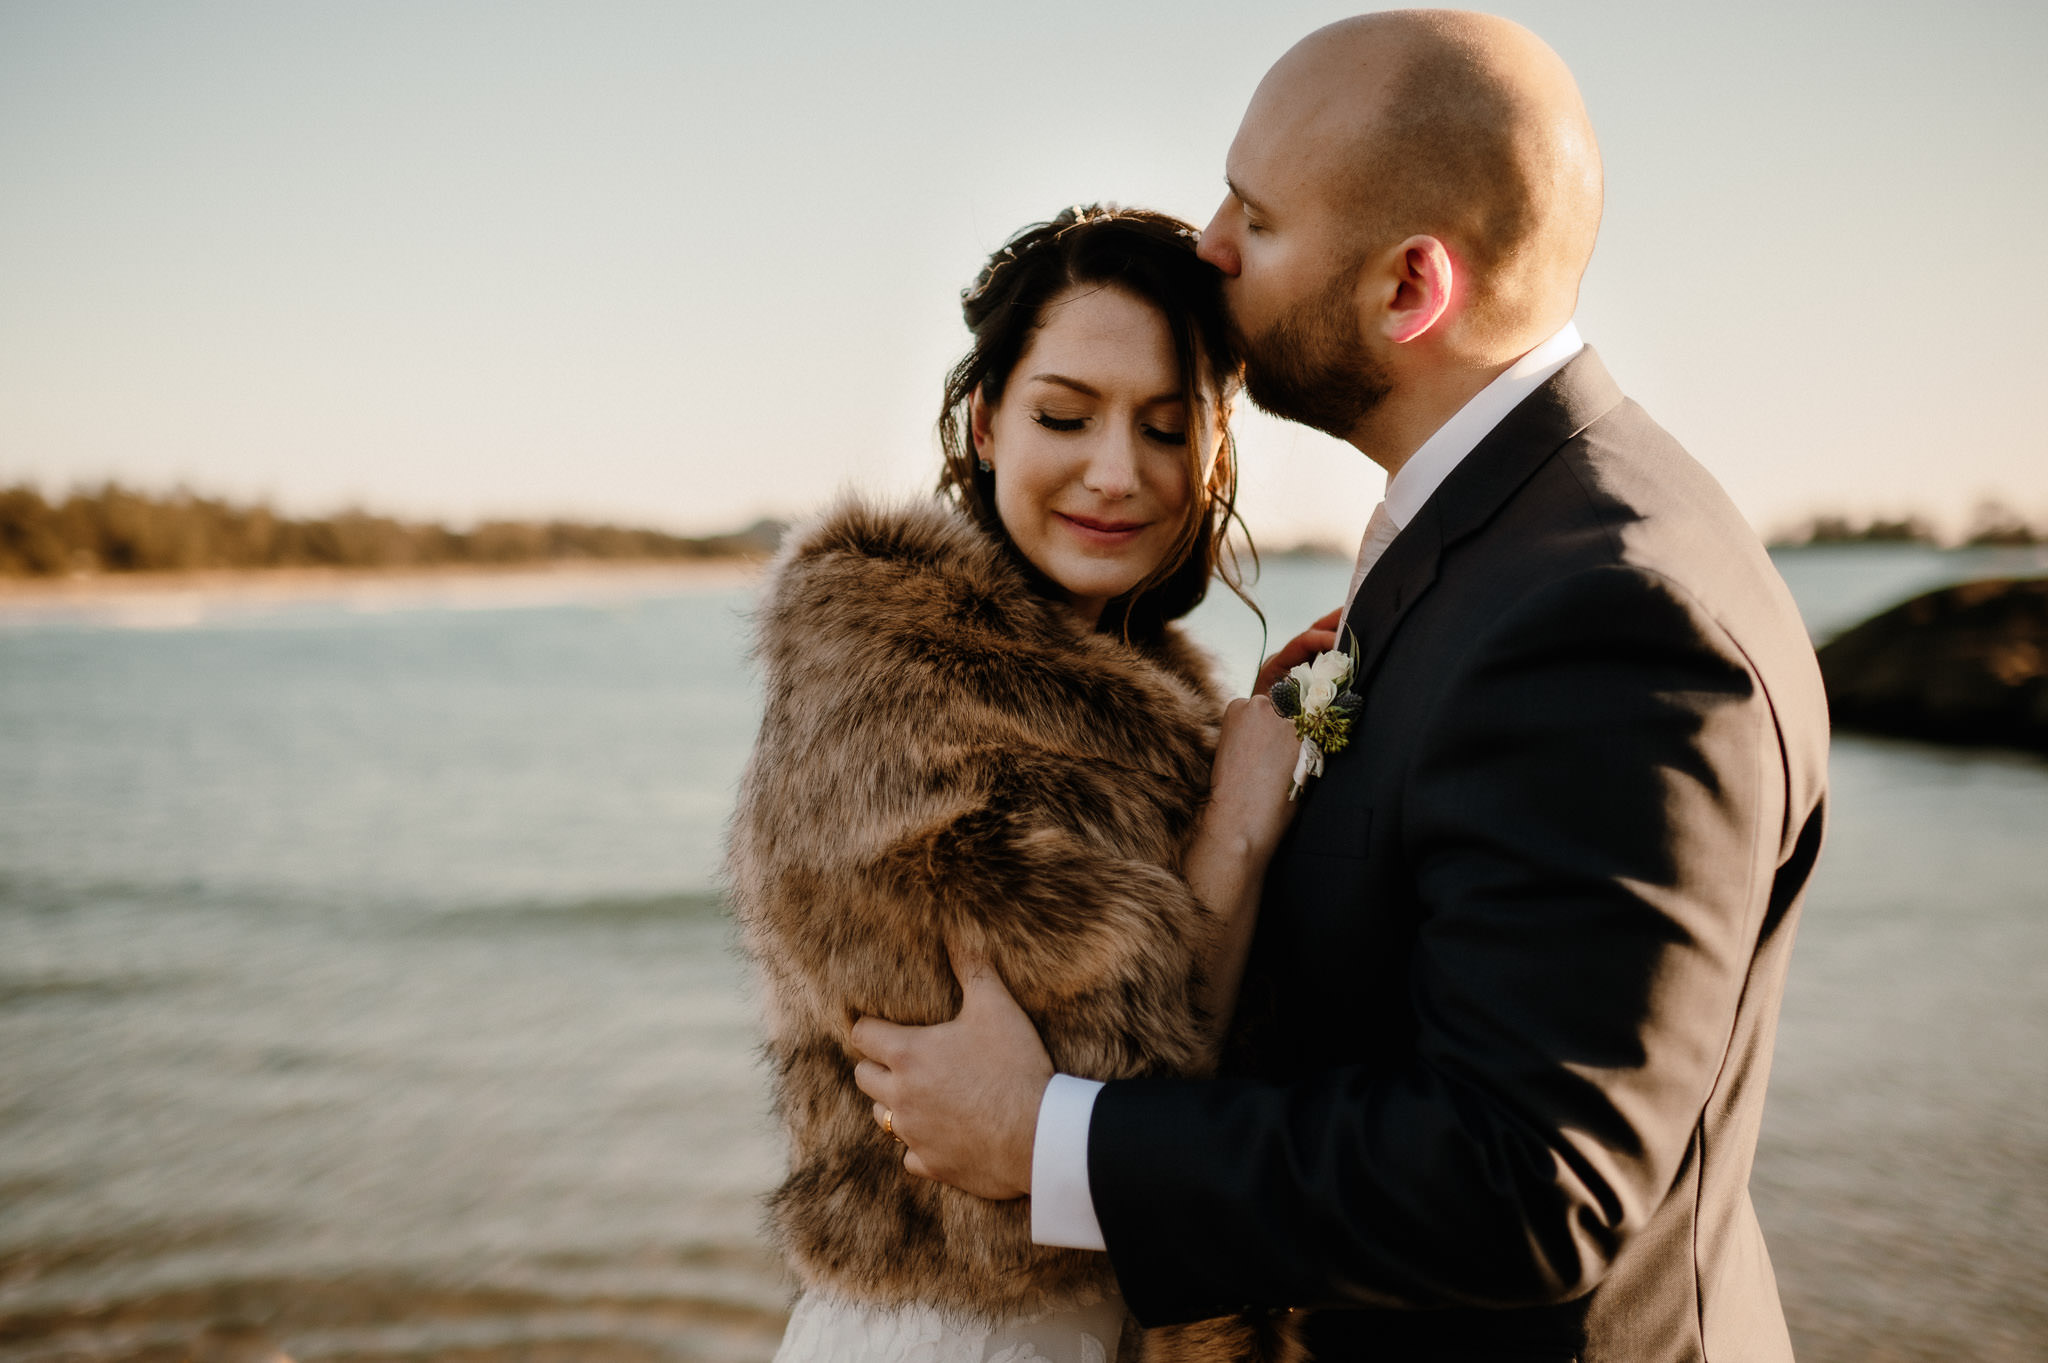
(114, 529)
(1993, 524)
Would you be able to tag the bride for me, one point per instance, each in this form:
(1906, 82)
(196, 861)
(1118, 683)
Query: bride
(984, 734)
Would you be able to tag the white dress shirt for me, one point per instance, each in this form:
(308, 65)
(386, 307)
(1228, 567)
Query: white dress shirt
(1062, 1205)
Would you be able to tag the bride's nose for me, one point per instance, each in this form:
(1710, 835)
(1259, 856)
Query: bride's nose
(1112, 471)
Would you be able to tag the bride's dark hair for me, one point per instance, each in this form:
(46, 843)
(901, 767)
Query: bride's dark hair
(1150, 256)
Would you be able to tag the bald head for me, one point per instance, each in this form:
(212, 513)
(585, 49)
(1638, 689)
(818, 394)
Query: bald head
(1460, 126)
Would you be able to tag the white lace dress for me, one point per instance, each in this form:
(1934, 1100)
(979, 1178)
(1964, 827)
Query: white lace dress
(826, 1330)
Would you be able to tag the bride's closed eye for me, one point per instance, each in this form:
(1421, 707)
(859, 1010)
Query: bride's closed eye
(1155, 434)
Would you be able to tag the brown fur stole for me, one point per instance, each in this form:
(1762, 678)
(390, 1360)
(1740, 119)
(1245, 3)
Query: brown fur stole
(944, 755)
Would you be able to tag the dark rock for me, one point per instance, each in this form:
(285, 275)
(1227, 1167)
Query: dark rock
(759, 540)
(1965, 664)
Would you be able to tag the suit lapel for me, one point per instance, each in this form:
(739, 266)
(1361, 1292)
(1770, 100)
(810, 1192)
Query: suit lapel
(1569, 401)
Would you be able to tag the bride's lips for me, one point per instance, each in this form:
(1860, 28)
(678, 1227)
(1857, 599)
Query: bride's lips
(1104, 532)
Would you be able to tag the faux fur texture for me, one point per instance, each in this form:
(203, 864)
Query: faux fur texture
(944, 755)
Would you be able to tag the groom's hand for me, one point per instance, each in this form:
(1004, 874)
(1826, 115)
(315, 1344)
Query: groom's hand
(963, 1095)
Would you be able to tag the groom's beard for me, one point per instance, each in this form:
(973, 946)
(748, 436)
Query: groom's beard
(1313, 366)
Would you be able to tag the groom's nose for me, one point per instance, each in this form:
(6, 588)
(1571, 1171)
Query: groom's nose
(1216, 247)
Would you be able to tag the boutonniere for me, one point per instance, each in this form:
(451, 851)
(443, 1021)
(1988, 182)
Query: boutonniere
(1315, 695)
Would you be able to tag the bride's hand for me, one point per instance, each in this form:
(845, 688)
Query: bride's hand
(1248, 808)
(1320, 637)
(1241, 825)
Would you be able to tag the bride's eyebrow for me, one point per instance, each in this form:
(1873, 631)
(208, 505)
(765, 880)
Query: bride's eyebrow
(1063, 381)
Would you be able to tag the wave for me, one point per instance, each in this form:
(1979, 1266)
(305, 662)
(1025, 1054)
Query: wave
(31, 1262)
(387, 1318)
(577, 912)
(50, 894)
(44, 894)
(21, 990)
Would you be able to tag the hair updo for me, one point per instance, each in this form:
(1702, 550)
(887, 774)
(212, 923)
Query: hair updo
(1150, 256)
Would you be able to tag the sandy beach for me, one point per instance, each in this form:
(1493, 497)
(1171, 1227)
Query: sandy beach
(182, 600)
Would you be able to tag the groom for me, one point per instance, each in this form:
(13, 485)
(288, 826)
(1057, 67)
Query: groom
(1500, 1059)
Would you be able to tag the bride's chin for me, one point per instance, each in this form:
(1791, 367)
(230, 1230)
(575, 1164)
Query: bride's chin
(1105, 587)
(1098, 575)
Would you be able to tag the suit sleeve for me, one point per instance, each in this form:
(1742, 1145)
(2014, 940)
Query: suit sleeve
(1582, 823)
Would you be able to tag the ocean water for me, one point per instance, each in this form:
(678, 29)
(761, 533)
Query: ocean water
(363, 986)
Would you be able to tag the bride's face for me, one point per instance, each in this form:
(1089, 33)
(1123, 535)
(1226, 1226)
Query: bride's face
(1089, 445)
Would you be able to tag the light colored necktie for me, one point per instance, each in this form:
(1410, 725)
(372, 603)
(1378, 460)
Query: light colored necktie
(1379, 533)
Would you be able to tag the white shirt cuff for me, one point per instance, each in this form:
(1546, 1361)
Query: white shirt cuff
(1062, 1208)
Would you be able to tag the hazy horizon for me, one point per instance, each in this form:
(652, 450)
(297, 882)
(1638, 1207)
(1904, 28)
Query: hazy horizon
(682, 267)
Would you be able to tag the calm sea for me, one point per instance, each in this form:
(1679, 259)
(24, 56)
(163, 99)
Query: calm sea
(362, 982)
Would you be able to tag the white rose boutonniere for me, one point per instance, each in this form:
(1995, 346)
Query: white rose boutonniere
(1314, 696)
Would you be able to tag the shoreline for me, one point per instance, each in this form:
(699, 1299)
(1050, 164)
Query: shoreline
(178, 599)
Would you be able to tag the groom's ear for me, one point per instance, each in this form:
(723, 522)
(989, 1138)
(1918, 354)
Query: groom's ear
(1415, 288)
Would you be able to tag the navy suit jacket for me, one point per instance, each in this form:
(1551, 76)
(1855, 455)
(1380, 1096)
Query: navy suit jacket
(1497, 1074)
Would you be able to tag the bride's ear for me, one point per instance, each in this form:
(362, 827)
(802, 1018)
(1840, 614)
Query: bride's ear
(980, 423)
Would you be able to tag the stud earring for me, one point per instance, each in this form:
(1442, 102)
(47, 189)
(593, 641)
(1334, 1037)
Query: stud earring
(985, 466)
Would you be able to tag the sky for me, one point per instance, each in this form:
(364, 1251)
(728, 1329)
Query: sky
(687, 264)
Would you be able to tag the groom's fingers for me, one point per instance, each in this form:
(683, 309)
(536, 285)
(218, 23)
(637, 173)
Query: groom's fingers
(880, 1040)
(982, 991)
(877, 1082)
(963, 1094)
(969, 961)
(977, 977)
